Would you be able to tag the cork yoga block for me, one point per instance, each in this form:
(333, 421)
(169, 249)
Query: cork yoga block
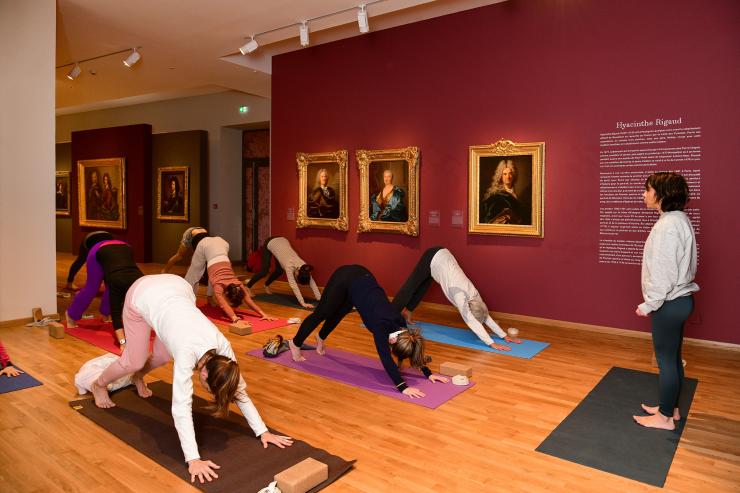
(303, 476)
(56, 330)
(240, 330)
(452, 369)
(37, 314)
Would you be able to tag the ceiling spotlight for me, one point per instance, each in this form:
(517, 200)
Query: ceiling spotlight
(303, 31)
(132, 58)
(76, 71)
(249, 47)
(362, 19)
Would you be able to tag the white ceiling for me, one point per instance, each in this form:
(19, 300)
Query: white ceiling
(190, 47)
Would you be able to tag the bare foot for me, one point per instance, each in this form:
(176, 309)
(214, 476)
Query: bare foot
(72, 286)
(655, 421)
(320, 350)
(102, 399)
(267, 290)
(295, 351)
(107, 319)
(141, 387)
(656, 409)
(70, 323)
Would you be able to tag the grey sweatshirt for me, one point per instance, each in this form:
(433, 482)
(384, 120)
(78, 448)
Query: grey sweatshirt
(668, 261)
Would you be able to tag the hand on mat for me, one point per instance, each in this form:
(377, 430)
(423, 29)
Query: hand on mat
(639, 313)
(413, 392)
(437, 378)
(10, 371)
(307, 305)
(267, 317)
(279, 440)
(512, 340)
(500, 347)
(203, 469)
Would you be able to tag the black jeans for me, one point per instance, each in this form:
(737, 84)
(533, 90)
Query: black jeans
(334, 305)
(417, 285)
(668, 323)
(265, 267)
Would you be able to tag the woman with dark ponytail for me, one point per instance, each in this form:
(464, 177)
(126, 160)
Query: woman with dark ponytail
(166, 304)
(354, 286)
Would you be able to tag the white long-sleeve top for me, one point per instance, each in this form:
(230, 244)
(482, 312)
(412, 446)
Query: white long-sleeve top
(167, 304)
(459, 291)
(668, 261)
(290, 261)
(210, 250)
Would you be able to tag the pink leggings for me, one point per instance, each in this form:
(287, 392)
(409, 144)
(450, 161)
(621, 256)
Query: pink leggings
(136, 355)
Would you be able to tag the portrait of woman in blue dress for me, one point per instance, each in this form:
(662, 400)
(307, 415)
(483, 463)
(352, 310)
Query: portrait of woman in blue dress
(389, 204)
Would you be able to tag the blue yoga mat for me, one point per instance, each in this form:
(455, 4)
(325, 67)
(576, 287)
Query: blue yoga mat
(22, 381)
(467, 338)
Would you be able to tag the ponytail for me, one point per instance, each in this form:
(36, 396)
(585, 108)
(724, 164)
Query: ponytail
(223, 380)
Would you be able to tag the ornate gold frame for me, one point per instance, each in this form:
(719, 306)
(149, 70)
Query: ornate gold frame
(64, 212)
(411, 156)
(116, 162)
(303, 159)
(503, 149)
(185, 193)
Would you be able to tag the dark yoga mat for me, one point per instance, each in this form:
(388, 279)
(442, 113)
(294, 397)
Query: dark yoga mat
(282, 299)
(146, 425)
(22, 381)
(601, 433)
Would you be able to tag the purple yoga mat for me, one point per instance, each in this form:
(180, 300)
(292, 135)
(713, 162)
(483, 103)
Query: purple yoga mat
(367, 373)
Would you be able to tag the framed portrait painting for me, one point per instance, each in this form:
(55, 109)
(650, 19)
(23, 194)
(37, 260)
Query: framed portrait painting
(62, 193)
(322, 190)
(505, 195)
(389, 190)
(101, 192)
(173, 193)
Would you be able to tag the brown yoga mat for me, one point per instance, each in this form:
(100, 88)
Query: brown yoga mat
(146, 425)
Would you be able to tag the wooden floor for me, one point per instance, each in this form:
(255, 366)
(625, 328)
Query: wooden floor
(483, 440)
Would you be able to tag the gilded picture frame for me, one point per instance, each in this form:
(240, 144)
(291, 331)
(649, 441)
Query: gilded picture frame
(506, 189)
(389, 190)
(173, 193)
(322, 190)
(62, 198)
(101, 187)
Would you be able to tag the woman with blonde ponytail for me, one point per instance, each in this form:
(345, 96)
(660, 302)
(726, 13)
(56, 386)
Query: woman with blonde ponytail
(354, 286)
(166, 304)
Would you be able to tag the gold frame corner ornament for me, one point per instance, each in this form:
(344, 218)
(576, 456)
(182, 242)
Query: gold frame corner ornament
(186, 194)
(411, 156)
(507, 149)
(303, 160)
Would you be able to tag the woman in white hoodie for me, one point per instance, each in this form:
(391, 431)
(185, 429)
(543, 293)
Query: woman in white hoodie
(165, 303)
(668, 270)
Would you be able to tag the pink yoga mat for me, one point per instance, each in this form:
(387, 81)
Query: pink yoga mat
(216, 315)
(97, 333)
(367, 373)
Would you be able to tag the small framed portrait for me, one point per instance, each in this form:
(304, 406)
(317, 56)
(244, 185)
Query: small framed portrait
(322, 190)
(101, 187)
(389, 190)
(62, 193)
(506, 189)
(173, 193)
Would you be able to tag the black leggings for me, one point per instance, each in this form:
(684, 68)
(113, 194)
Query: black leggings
(668, 323)
(417, 285)
(86, 245)
(334, 305)
(265, 267)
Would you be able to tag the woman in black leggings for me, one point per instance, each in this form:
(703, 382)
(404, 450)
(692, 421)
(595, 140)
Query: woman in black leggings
(354, 286)
(668, 270)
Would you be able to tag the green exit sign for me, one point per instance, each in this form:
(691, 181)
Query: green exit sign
(243, 109)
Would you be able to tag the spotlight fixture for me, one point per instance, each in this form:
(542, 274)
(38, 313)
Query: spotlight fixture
(75, 72)
(131, 60)
(303, 31)
(362, 19)
(249, 47)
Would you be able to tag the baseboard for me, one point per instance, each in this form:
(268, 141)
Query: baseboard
(26, 320)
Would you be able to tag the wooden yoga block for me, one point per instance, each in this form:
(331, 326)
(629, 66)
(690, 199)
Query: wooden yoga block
(56, 330)
(451, 369)
(303, 476)
(240, 331)
(37, 314)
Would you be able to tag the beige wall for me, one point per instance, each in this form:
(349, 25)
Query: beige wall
(27, 207)
(215, 113)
